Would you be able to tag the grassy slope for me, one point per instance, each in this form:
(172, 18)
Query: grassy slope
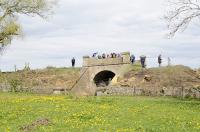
(99, 113)
(44, 78)
(173, 76)
(132, 75)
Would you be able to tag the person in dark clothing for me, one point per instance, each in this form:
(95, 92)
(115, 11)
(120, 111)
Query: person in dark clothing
(103, 56)
(94, 54)
(99, 57)
(132, 59)
(114, 55)
(159, 60)
(142, 60)
(111, 55)
(73, 62)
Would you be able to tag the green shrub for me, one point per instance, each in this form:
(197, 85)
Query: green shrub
(14, 85)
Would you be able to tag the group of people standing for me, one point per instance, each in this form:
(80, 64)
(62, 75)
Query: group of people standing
(143, 60)
(114, 55)
(104, 56)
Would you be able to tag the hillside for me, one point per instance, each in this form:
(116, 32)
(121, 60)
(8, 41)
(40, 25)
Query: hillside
(161, 78)
(152, 80)
(48, 78)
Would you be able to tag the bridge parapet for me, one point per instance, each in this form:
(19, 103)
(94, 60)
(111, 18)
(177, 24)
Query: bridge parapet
(90, 61)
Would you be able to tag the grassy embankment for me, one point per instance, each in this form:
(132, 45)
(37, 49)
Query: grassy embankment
(43, 78)
(163, 77)
(130, 75)
(61, 113)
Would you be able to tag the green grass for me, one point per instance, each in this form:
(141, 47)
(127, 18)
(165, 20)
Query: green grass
(136, 67)
(99, 113)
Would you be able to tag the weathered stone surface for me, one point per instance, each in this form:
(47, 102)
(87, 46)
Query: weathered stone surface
(92, 67)
(122, 91)
(4, 88)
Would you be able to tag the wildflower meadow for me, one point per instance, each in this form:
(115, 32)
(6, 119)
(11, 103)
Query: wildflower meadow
(27, 112)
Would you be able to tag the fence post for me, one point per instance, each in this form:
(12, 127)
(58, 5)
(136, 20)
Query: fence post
(134, 90)
(182, 92)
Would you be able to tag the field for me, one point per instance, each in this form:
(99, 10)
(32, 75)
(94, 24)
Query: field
(28, 112)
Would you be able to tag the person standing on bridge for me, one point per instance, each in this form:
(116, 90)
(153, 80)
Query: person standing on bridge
(73, 62)
(159, 60)
(103, 56)
(94, 54)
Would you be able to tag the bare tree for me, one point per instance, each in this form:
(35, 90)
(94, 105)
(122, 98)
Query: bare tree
(180, 14)
(10, 11)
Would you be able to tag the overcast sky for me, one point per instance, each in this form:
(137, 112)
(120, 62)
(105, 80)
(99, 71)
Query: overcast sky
(81, 27)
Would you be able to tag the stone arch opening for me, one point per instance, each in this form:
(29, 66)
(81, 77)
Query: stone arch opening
(103, 78)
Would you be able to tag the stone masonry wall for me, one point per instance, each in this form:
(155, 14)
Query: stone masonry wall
(127, 91)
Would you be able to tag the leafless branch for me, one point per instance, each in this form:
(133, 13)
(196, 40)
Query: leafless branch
(181, 13)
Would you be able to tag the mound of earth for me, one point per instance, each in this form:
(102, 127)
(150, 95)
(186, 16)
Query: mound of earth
(48, 78)
(159, 78)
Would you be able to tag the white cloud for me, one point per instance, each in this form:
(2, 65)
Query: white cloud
(82, 27)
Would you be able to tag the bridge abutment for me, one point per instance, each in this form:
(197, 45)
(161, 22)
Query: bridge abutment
(99, 72)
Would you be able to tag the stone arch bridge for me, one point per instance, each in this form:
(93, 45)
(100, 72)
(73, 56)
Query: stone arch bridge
(97, 73)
